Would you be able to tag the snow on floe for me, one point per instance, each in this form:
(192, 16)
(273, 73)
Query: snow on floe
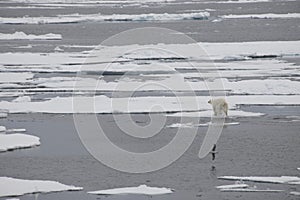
(17, 187)
(233, 186)
(77, 18)
(17, 141)
(113, 53)
(265, 179)
(104, 104)
(263, 16)
(249, 190)
(11, 77)
(142, 189)
(2, 129)
(295, 193)
(24, 36)
(208, 113)
(191, 125)
(22, 99)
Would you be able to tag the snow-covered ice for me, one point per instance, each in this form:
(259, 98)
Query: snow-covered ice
(295, 193)
(104, 104)
(263, 16)
(22, 99)
(233, 186)
(265, 179)
(249, 190)
(2, 129)
(17, 187)
(191, 125)
(77, 18)
(209, 113)
(142, 189)
(10, 77)
(17, 141)
(23, 36)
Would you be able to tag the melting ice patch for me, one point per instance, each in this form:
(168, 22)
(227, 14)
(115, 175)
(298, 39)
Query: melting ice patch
(17, 141)
(263, 16)
(24, 36)
(17, 187)
(77, 18)
(265, 179)
(142, 189)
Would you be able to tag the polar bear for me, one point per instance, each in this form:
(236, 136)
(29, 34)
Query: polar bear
(220, 106)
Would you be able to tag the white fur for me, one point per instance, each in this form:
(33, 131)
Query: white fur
(220, 106)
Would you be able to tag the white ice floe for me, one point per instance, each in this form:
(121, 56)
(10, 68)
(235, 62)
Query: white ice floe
(249, 190)
(16, 130)
(17, 187)
(2, 129)
(233, 186)
(169, 51)
(24, 36)
(77, 18)
(24, 47)
(3, 114)
(179, 125)
(142, 189)
(295, 193)
(263, 16)
(209, 113)
(10, 77)
(265, 179)
(17, 141)
(191, 125)
(22, 99)
(298, 168)
(104, 104)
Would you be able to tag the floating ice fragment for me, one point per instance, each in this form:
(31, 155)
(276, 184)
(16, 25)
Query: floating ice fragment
(2, 129)
(295, 193)
(22, 99)
(17, 141)
(265, 179)
(142, 189)
(248, 190)
(17, 187)
(24, 36)
(233, 186)
(263, 16)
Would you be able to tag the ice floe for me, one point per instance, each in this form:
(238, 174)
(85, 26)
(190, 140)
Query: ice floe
(263, 16)
(22, 99)
(2, 129)
(104, 104)
(142, 189)
(248, 190)
(10, 77)
(17, 187)
(208, 113)
(295, 193)
(265, 179)
(107, 54)
(24, 36)
(10, 142)
(233, 186)
(77, 18)
(191, 125)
